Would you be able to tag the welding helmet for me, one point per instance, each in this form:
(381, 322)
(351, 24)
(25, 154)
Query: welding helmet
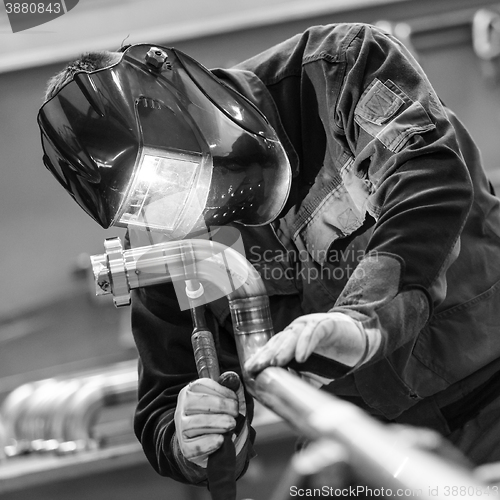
(155, 140)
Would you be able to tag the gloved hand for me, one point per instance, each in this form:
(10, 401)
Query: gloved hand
(205, 411)
(333, 334)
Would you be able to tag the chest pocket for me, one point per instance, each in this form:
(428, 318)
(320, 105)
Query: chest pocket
(385, 112)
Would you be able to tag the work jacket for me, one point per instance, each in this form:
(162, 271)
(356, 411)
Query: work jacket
(390, 220)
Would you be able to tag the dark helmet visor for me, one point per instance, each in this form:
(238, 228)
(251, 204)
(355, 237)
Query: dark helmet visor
(169, 148)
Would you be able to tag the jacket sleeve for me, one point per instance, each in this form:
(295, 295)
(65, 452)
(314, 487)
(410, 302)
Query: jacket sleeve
(409, 177)
(162, 333)
(166, 364)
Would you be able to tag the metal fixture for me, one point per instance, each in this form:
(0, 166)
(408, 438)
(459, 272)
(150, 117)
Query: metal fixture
(313, 413)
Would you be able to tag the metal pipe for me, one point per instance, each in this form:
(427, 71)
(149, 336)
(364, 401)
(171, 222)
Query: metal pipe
(45, 407)
(118, 271)
(83, 408)
(373, 450)
(314, 413)
(59, 414)
(12, 411)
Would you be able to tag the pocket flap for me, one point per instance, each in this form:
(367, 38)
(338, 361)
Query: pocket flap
(378, 104)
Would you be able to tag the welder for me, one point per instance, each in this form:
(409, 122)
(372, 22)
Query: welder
(360, 198)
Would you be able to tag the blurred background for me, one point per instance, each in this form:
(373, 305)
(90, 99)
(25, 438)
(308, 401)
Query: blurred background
(51, 326)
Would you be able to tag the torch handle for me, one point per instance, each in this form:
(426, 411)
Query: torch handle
(205, 355)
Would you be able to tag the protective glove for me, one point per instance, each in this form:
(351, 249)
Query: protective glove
(333, 335)
(205, 411)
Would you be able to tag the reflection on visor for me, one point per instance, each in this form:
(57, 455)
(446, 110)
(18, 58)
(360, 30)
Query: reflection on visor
(160, 190)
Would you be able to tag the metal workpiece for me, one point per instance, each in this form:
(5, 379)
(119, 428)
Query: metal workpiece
(371, 446)
(40, 421)
(102, 279)
(14, 405)
(107, 389)
(324, 465)
(118, 271)
(13, 412)
(252, 324)
(3, 441)
(195, 261)
(376, 452)
(58, 414)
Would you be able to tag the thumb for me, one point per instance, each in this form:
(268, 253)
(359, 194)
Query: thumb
(232, 381)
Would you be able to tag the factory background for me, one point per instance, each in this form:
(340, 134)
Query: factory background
(50, 323)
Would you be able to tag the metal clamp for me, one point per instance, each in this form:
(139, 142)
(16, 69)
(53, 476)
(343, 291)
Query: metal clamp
(117, 272)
